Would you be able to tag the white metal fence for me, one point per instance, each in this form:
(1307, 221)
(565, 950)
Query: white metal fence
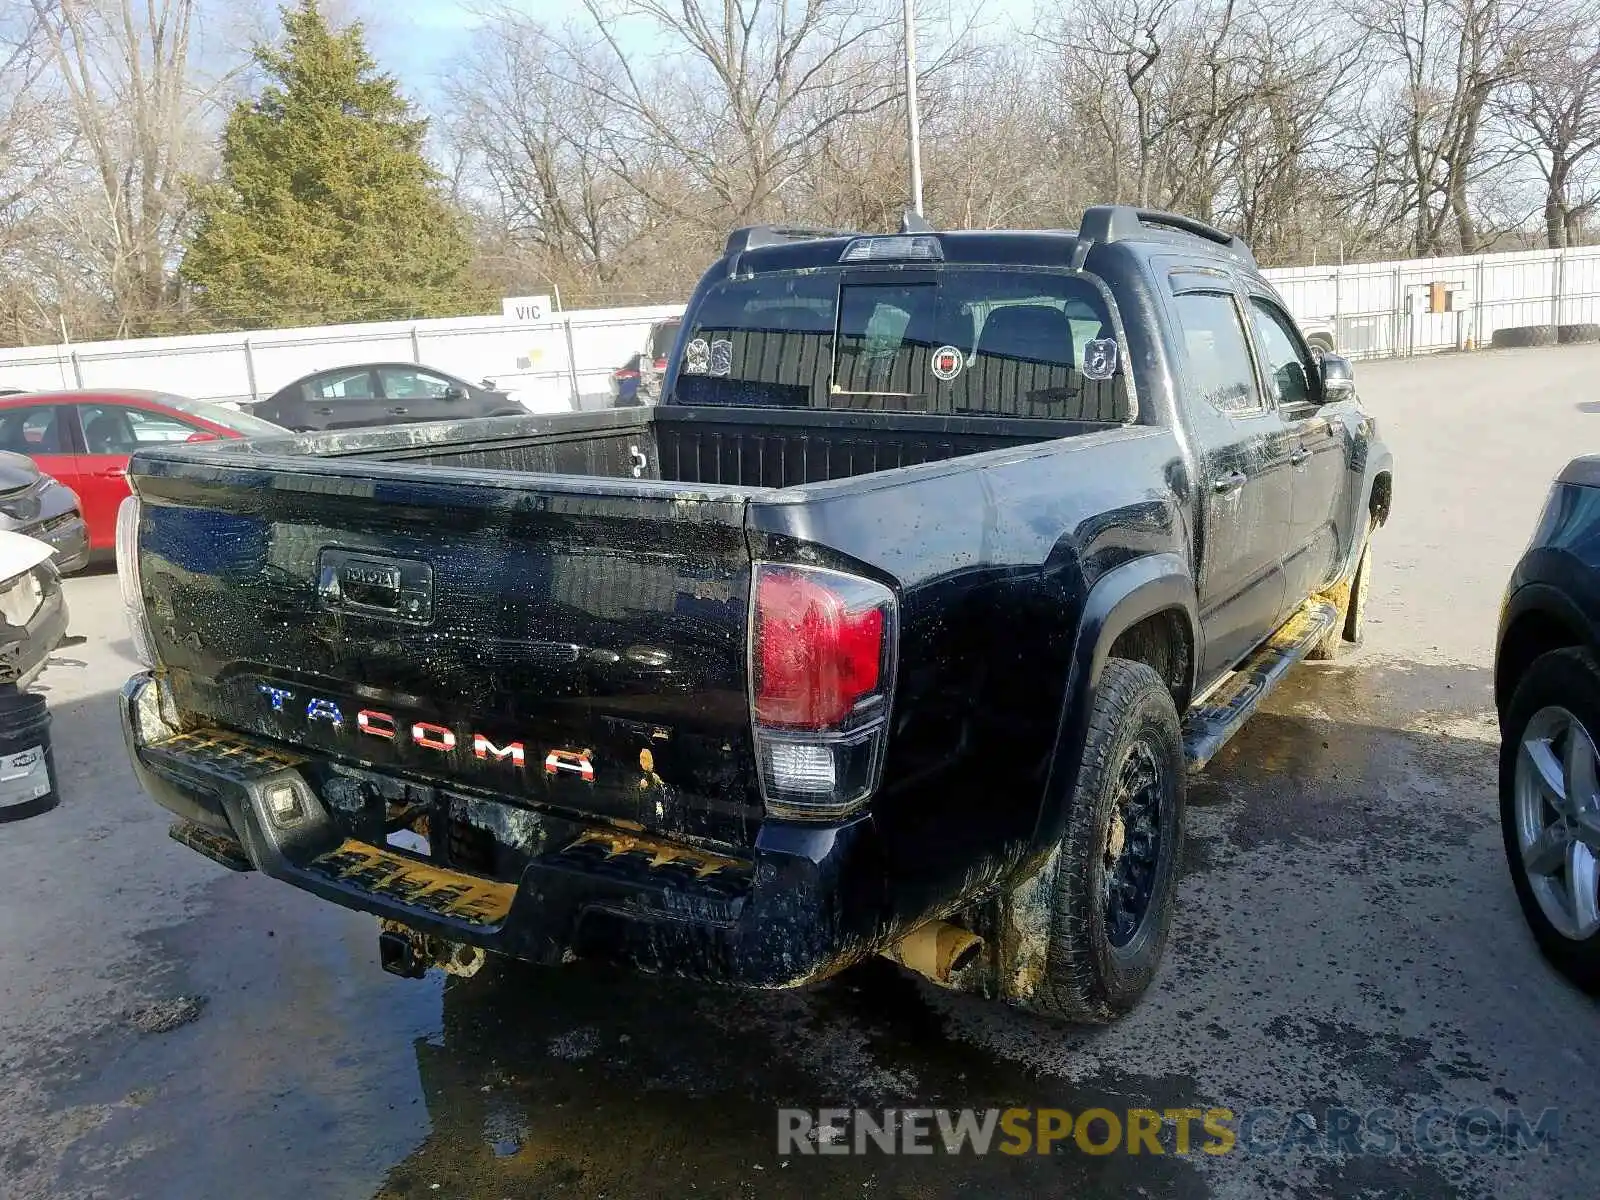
(559, 362)
(1375, 309)
(1382, 309)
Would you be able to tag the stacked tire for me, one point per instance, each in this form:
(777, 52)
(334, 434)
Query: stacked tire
(1519, 336)
(1545, 335)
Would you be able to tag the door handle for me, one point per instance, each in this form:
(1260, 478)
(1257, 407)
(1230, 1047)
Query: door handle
(1299, 456)
(397, 412)
(1231, 482)
(323, 412)
(113, 473)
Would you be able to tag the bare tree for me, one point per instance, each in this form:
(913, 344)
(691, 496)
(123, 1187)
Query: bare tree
(1552, 113)
(544, 148)
(759, 84)
(124, 67)
(1109, 54)
(1452, 57)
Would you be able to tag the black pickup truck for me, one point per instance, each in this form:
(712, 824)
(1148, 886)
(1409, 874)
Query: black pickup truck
(893, 629)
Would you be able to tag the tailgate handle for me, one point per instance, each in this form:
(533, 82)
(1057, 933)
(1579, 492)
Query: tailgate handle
(370, 586)
(401, 588)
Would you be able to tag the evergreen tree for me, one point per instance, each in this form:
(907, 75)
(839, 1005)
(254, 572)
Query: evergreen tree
(326, 209)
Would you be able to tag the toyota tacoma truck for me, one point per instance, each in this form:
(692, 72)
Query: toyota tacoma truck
(893, 629)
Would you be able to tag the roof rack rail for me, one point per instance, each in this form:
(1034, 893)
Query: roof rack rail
(1123, 223)
(753, 237)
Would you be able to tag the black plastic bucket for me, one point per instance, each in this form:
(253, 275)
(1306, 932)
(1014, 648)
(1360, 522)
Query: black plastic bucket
(27, 764)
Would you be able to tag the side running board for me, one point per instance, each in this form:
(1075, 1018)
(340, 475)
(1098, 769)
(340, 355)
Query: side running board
(1208, 727)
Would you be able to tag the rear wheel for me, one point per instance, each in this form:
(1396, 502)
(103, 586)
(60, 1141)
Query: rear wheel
(1355, 613)
(1550, 809)
(1116, 870)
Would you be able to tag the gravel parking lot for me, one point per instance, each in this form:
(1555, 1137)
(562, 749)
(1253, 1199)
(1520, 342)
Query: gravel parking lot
(1347, 938)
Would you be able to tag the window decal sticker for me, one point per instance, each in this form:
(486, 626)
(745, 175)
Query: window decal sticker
(1100, 358)
(946, 363)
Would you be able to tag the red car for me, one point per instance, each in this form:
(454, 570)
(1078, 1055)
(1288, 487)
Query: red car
(84, 439)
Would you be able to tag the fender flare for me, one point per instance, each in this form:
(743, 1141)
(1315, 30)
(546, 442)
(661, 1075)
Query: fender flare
(1381, 464)
(1546, 598)
(1119, 599)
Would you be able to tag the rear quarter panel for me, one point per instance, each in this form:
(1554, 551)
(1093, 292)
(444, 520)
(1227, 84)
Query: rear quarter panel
(993, 557)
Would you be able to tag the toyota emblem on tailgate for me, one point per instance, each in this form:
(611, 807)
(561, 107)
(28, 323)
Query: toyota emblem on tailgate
(377, 586)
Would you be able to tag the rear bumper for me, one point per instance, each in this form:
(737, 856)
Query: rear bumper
(778, 918)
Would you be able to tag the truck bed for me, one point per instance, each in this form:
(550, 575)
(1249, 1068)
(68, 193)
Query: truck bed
(730, 447)
(572, 585)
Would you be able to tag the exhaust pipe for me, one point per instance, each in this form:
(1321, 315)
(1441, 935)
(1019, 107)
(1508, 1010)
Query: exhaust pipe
(937, 950)
(462, 959)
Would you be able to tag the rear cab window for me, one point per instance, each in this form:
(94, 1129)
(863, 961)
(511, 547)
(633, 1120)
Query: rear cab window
(953, 340)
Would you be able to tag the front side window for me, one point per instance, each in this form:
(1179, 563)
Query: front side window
(957, 340)
(1288, 368)
(1218, 356)
(403, 383)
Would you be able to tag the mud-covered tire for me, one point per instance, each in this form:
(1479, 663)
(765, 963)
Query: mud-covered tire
(1574, 335)
(1350, 598)
(1566, 682)
(1514, 336)
(1355, 611)
(1088, 977)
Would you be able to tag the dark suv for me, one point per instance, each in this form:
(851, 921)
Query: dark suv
(1547, 689)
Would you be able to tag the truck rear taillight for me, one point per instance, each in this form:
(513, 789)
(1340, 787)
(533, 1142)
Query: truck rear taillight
(822, 659)
(130, 584)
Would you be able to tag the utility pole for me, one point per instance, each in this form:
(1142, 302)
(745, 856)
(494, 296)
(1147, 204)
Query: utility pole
(912, 121)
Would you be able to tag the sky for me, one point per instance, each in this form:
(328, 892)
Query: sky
(418, 40)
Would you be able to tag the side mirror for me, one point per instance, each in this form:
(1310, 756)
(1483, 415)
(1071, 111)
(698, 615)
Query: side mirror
(1338, 379)
(454, 393)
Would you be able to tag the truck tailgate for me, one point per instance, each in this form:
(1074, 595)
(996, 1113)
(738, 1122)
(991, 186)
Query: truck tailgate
(575, 643)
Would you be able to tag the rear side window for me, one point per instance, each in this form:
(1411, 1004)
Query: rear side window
(1032, 344)
(117, 429)
(1219, 365)
(349, 385)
